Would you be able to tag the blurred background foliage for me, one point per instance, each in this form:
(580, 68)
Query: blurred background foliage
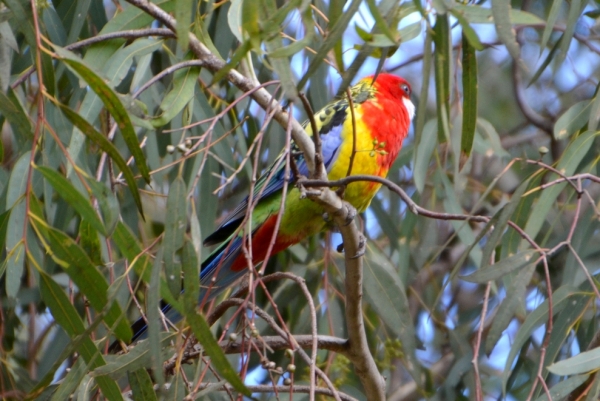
(119, 119)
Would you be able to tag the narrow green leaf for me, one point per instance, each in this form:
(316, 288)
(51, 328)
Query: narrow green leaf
(501, 11)
(14, 266)
(502, 268)
(18, 180)
(489, 133)
(574, 13)
(281, 65)
(297, 46)
(201, 330)
(515, 297)
(9, 40)
(22, 19)
(469, 82)
(48, 74)
(195, 231)
(107, 147)
(483, 15)
(335, 33)
(584, 362)
(234, 18)
(191, 284)
(278, 53)
(235, 59)
(501, 224)
(15, 232)
(568, 164)
(81, 9)
(251, 24)
(452, 205)
(561, 330)
(90, 242)
(113, 104)
(54, 26)
(381, 23)
(4, 219)
(183, 11)
(546, 61)
(69, 193)
(141, 385)
(423, 154)
(12, 110)
(120, 63)
(77, 264)
(154, 318)
(130, 18)
(175, 226)
(388, 298)
(184, 87)
(572, 120)
(139, 357)
(551, 20)
(130, 247)
(108, 202)
(67, 317)
(469, 34)
(560, 299)
(201, 31)
(442, 62)
(594, 119)
(70, 381)
(277, 16)
(562, 389)
(410, 32)
(177, 390)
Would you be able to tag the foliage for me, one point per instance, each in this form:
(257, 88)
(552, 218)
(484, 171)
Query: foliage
(125, 137)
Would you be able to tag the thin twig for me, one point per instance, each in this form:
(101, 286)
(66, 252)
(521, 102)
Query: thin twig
(316, 137)
(353, 154)
(231, 302)
(130, 34)
(477, 345)
(413, 207)
(569, 180)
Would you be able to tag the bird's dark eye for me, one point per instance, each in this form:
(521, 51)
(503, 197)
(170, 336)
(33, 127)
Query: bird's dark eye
(405, 88)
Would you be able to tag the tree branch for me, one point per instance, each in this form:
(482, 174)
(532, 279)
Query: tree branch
(264, 99)
(354, 247)
(278, 343)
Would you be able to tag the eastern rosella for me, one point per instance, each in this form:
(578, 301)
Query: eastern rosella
(382, 115)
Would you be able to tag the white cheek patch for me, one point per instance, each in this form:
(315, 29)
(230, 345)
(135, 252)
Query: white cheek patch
(410, 107)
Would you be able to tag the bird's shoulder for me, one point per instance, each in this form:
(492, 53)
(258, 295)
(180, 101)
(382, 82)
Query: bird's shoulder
(335, 113)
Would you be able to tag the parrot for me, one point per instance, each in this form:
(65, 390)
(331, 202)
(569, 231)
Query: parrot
(375, 132)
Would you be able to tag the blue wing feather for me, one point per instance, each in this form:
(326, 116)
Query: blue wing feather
(331, 139)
